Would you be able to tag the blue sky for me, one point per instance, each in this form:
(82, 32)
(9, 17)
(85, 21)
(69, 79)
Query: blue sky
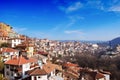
(63, 19)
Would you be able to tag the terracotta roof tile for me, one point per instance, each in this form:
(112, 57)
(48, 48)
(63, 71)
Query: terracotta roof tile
(49, 67)
(20, 61)
(37, 72)
(8, 50)
(70, 74)
(46, 69)
(69, 64)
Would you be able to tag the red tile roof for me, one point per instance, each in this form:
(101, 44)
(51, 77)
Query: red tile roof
(49, 67)
(20, 61)
(73, 70)
(71, 75)
(37, 72)
(8, 50)
(69, 64)
(46, 69)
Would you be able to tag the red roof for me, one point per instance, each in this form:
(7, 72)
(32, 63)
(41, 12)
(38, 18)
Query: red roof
(37, 72)
(69, 64)
(46, 69)
(8, 50)
(20, 61)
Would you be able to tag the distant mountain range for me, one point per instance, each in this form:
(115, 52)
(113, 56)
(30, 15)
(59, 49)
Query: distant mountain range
(83, 41)
(115, 41)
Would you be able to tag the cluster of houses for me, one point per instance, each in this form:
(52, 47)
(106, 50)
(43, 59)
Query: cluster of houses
(38, 67)
(30, 58)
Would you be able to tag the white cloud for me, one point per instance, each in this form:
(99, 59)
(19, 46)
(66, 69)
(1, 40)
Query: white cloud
(70, 23)
(75, 17)
(74, 7)
(115, 8)
(115, 1)
(57, 27)
(97, 4)
(73, 32)
(73, 20)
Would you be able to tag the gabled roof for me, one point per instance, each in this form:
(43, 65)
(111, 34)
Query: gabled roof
(37, 72)
(20, 61)
(46, 69)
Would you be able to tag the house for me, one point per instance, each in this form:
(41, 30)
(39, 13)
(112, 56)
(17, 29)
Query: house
(69, 64)
(14, 41)
(41, 57)
(106, 74)
(46, 72)
(30, 50)
(99, 76)
(8, 53)
(88, 74)
(71, 71)
(17, 67)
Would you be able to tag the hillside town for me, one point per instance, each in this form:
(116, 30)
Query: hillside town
(26, 58)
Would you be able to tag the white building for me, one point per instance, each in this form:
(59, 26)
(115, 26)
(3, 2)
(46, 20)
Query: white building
(17, 68)
(8, 53)
(46, 72)
(14, 41)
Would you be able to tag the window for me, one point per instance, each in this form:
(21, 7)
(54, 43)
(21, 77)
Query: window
(11, 73)
(7, 73)
(35, 78)
(48, 75)
(39, 77)
(7, 66)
